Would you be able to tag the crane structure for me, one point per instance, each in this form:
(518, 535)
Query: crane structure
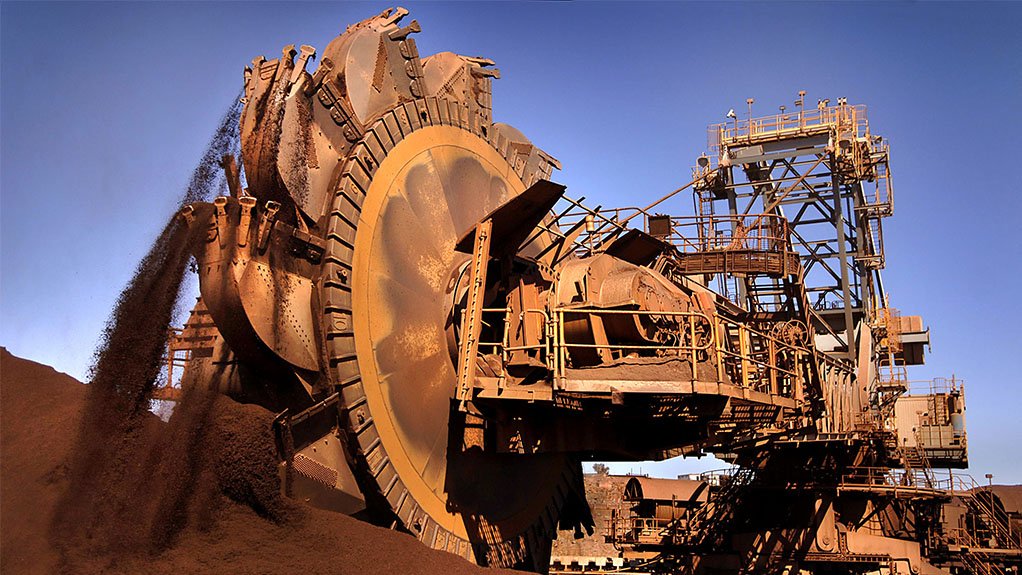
(446, 334)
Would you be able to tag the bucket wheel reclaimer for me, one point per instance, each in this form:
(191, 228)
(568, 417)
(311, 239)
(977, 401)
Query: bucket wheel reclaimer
(389, 228)
(362, 176)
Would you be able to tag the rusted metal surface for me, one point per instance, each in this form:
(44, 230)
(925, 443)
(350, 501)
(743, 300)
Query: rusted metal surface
(857, 492)
(196, 339)
(455, 332)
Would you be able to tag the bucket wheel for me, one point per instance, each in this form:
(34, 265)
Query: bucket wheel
(420, 177)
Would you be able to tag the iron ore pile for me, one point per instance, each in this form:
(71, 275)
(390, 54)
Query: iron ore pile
(213, 511)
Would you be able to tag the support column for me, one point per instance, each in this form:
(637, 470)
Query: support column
(732, 207)
(839, 227)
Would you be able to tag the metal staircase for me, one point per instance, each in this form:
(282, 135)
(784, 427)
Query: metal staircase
(994, 519)
(974, 559)
(914, 459)
(705, 527)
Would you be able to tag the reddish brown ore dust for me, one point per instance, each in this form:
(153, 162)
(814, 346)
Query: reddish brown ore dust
(119, 441)
(230, 503)
(208, 178)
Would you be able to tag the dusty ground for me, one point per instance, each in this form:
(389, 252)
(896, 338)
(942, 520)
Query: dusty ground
(40, 413)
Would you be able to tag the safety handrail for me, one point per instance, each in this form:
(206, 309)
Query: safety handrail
(737, 353)
(687, 343)
(892, 376)
(960, 484)
(756, 363)
(850, 120)
(759, 232)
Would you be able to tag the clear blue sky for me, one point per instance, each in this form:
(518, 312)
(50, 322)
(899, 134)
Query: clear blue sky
(106, 108)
